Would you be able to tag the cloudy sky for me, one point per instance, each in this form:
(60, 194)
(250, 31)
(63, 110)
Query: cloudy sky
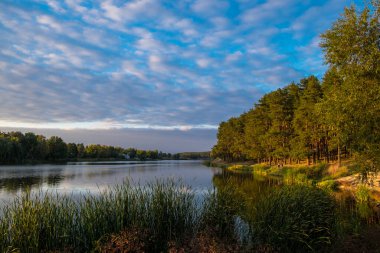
(149, 73)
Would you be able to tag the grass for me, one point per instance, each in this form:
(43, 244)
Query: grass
(43, 222)
(294, 219)
(362, 194)
(329, 185)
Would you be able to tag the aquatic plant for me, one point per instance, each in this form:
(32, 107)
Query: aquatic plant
(329, 185)
(362, 193)
(294, 218)
(46, 221)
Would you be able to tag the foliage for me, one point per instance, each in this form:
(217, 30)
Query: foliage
(319, 121)
(16, 147)
(192, 155)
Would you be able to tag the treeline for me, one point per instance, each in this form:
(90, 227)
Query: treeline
(319, 120)
(16, 147)
(193, 155)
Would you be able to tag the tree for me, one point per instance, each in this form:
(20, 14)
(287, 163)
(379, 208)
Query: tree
(57, 148)
(81, 150)
(352, 106)
(72, 150)
(306, 124)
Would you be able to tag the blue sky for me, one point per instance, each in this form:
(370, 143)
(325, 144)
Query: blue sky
(168, 70)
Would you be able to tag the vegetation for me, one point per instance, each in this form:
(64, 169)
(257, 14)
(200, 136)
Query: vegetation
(319, 120)
(16, 147)
(33, 223)
(164, 215)
(313, 121)
(277, 219)
(192, 155)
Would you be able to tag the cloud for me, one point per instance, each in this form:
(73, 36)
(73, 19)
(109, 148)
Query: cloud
(209, 8)
(203, 62)
(148, 64)
(167, 141)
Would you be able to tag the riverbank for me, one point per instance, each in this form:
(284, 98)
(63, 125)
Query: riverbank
(346, 177)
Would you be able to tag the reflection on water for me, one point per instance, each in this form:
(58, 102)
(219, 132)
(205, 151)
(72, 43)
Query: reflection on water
(14, 179)
(77, 178)
(255, 186)
(91, 177)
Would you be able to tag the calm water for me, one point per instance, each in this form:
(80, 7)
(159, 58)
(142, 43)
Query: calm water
(93, 177)
(83, 177)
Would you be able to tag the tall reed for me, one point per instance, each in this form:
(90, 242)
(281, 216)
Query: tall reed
(47, 221)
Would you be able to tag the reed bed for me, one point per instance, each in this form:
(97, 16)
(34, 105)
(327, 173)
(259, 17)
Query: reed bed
(166, 216)
(48, 221)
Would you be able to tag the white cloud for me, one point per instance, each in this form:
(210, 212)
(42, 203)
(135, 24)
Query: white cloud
(55, 5)
(156, 64)
(128, 68)
(234, 56)
(100, 125)
(270, 10)
(130, 10)
(210, 7)
(164, 63)
(50, 22)
(203, 62)
(76, 6)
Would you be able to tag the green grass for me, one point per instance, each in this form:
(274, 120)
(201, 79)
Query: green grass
(294, 219)
(362, 194)
(156, 216)
(329, 185)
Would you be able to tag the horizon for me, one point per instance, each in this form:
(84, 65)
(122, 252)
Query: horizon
(151, 74)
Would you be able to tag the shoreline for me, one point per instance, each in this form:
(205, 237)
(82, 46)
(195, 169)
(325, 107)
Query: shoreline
(341, 177)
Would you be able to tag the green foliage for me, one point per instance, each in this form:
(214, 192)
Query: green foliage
(193, 155)
(16, 147)
(230, 141)
(57, 149)
(319, 122)
(294, 219)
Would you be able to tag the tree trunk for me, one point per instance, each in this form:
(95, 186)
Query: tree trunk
(339, 162)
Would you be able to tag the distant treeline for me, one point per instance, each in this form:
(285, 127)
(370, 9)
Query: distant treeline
(315, 119)
(193, 155)
(16, 147)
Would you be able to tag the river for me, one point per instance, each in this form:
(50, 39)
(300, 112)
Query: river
(92, 177)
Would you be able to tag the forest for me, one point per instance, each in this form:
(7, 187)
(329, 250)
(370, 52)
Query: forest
(318, 120)
(16, 147)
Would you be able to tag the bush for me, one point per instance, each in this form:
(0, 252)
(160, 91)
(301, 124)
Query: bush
(294, 219)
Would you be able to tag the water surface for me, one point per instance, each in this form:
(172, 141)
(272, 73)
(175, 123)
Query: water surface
(84, 177)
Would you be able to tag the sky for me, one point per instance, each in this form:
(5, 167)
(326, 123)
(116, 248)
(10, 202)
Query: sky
(147, 73)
